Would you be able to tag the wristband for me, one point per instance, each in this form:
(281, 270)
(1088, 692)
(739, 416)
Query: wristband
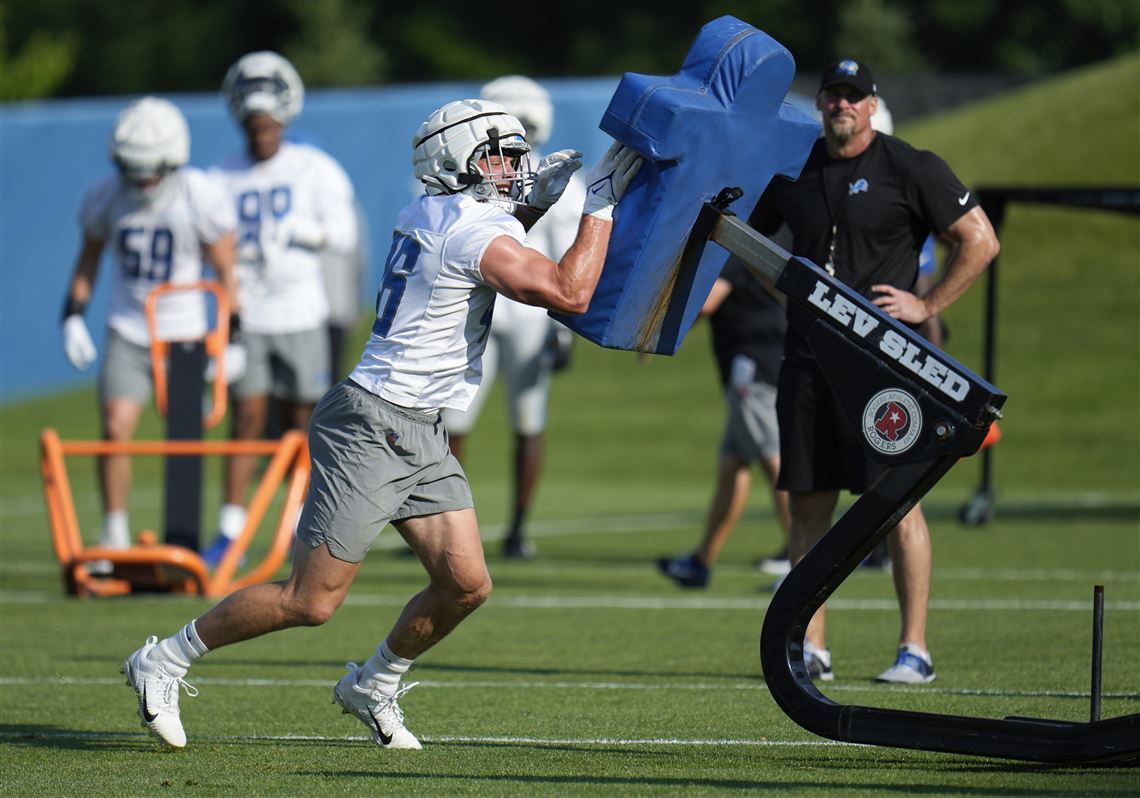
(73, 307)
(235, 327)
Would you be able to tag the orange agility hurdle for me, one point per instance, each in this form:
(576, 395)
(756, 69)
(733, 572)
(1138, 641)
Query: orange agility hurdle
(149, 567)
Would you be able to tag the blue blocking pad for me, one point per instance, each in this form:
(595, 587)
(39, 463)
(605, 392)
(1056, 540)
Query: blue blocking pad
(721, 121)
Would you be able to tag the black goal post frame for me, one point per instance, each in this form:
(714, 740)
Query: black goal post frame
(994, 200)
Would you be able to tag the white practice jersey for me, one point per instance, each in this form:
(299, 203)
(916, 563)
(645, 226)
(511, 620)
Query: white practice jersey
(551, 235)
(433, 310)
(298, 190)
(157, 242)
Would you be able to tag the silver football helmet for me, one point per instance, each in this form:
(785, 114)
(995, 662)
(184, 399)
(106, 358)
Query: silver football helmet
(150, 140)
(263, 82)
(449, 144)
(527, 101)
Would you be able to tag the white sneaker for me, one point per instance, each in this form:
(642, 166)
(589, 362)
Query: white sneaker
(818, 662)
(157, 689)
(912, 666)
(379, 712)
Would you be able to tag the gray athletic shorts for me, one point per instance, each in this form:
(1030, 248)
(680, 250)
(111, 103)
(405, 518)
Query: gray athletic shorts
(290, 366)
(126, 370)
(374, 462)
(751, 432)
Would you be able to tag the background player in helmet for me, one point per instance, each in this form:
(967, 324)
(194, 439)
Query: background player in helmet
(160, 217)
(379, 451)
(524, 340)
(293, 201)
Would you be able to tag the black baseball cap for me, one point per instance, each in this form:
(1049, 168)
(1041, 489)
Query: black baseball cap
(850, 72)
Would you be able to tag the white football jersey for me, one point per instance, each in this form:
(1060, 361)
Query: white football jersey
(433, 310)
(157, 242)
(279, 281)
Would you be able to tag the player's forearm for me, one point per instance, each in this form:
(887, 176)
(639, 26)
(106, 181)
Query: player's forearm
(82, 283)
(581, 266)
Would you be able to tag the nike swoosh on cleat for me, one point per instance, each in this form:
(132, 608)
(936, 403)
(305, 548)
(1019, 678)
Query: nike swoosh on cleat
(385, 739)
(149, 718)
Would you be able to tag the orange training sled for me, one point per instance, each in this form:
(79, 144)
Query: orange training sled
(152, 567)
(216, 340)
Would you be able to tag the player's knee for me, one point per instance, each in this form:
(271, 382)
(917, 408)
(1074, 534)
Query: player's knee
(312, 611)
(470, 596)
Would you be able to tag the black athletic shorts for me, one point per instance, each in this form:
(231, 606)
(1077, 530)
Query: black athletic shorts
(820, 450)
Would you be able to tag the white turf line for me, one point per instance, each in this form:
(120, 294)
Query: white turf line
(450, 738)
(756, 686)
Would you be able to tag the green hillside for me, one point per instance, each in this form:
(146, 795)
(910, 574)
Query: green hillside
(1069, 280)
(1082, 128)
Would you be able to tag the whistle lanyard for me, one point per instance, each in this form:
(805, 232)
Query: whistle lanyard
(833, 217)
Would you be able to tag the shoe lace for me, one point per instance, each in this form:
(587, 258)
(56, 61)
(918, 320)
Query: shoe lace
(171, 683)
(386, 703)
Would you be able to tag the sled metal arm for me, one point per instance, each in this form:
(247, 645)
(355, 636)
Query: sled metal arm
(863, 352)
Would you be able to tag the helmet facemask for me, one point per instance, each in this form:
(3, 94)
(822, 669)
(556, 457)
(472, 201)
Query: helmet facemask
(499, 171)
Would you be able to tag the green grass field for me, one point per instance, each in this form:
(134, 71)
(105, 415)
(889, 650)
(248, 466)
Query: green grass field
(589, 674)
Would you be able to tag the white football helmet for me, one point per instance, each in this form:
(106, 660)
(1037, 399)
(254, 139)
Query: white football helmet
(527, 101)
(263, 82)
(881, 120)
(448, 145)
(151, 139)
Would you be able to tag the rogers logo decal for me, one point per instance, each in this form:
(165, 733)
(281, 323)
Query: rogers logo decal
(892, 421)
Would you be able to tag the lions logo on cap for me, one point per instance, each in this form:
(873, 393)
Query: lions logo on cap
(892, 421)
(847, 67)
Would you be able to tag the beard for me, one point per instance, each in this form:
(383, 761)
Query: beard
(842, 126)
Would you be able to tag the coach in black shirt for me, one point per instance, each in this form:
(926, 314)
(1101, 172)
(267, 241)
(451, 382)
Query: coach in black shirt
(862, 207)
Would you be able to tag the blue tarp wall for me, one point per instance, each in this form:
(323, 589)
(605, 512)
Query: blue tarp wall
(52, 152)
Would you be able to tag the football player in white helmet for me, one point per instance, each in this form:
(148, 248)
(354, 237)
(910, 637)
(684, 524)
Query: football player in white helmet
(524, 343)
(378, 449)
(159, 217)
(294, 206)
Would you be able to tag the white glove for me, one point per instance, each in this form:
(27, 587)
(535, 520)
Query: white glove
(608, 180)
(301, 232)
(77, 343)
(551, 178)
(234, 361)
(233, 364)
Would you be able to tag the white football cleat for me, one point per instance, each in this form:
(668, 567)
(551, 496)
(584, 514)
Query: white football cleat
(379, 712)
(157, 689)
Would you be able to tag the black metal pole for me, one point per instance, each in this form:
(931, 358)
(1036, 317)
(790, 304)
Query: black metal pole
(186, 368)
(1097, 646)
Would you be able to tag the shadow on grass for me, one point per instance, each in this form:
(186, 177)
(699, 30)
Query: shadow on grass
(924, 777)
(34, 735)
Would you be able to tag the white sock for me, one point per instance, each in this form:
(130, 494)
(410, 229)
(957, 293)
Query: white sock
(917, 650)
(384, 669)
(182, 648)
(231, 520)
(116, 530)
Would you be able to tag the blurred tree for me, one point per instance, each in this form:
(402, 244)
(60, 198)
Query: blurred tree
(186, 45)
(40, 67)
(332, 45)
(881, 33)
